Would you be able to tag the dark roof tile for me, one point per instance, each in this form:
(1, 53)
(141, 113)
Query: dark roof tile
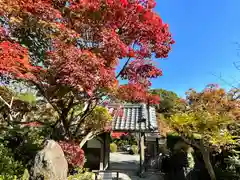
(132, 113)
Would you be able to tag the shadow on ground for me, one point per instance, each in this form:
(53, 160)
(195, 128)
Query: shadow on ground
(128, 166)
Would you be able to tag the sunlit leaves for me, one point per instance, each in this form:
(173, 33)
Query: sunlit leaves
(69, 51)
(78, 68)
(103, 31)
(209, 114)
(135, 93)
(100, 118)
(14, 60)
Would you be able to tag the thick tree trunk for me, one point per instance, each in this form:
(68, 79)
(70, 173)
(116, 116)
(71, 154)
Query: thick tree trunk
(207, 162)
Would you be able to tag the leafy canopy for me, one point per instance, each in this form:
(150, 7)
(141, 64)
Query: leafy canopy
(208, 115)
(78, 44)
(68, 51)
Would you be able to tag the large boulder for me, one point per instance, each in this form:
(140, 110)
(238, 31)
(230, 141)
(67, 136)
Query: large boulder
(50, 163)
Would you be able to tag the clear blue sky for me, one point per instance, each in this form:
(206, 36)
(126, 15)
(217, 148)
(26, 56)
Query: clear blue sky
(205, 32)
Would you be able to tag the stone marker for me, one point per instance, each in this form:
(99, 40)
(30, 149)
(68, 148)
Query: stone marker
(50, 163)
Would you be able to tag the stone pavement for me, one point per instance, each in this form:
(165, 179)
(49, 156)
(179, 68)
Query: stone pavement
(127, 165)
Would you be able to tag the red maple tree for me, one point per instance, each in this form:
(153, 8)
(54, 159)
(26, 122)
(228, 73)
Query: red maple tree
(69, 50)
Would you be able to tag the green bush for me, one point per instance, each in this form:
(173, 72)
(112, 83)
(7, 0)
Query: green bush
(8, 177)
(113, 147)
(9, 167)
(18, 147)
(82, 174)
(232, 171)
(23, 142)
(134, 149)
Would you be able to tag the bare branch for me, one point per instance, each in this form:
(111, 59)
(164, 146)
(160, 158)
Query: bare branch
(9, 106)
(6, 103)
(237, 65)
(224, 81)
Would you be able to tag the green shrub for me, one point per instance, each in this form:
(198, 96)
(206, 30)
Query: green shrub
(134, 149)
(8, 177)
(232, 171)
(113, 147)
(82, 174)
(23, 142)
(9, 167)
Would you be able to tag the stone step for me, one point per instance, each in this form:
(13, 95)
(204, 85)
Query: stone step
(129, 176)
(113, 175)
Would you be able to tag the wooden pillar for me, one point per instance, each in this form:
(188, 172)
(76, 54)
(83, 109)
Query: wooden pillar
(142, 156)
(158, 152)
(102, 154)
(107, 151)
(157, 146)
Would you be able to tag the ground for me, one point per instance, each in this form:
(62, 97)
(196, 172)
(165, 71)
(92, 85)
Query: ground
(128, 166)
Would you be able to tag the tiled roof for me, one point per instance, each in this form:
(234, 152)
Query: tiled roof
(132, 113)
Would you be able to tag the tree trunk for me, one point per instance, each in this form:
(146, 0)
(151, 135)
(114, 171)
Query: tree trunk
(207, 162)
(89, 136)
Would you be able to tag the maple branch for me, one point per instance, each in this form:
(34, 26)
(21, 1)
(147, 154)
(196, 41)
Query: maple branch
(82, 117)
(126, 63)
(124, 67)
(44, 95)
(86, 113)
(186, 140)
(190, 142)
(64, 114)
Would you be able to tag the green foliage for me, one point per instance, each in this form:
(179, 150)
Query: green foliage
(226, 174)
(9, 167)
(82, 174)
(113, 147)
(206, 119)
(168, 101)
(98, 119)
(134, 149)
(121, 143)
(207, 116)
(202, 126)
(26, 175)
(8, 177)
(129, 138)
(24, 142)
(27, 97)
(231, 170)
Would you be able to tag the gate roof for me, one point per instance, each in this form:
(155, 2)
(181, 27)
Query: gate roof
(132, 114)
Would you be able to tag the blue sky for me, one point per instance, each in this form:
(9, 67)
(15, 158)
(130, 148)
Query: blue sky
(205, 32)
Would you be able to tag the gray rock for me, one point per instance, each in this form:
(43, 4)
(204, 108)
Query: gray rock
(50, 163)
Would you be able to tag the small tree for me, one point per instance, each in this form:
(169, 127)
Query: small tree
(205, 122)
